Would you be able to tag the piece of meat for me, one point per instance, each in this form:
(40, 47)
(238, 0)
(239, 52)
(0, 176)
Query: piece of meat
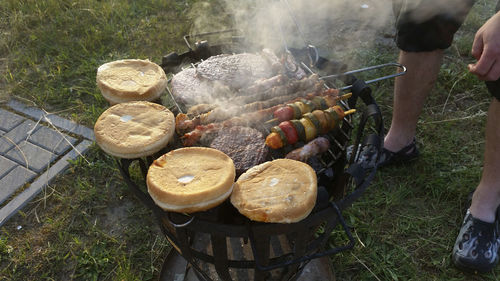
(237, 71)
(245, 120)
(189, 89)
(272, 59)
(312, 148)
(311, 84)
(200, 109)
(242, 144)
(183, 123)
(263, 85)
(196, 129)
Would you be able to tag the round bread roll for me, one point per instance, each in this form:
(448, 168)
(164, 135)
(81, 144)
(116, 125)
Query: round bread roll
(134, 129)
(191, 179)
(131, 80)
(278, 191)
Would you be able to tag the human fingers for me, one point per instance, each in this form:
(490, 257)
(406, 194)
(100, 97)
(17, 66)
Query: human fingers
(477, 46)
(493, 74)
(484, 64)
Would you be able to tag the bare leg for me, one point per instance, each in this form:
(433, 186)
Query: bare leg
(486, 198)
(410, 93)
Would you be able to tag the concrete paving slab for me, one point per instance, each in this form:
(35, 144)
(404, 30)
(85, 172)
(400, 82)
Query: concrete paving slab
(43, 180)
(9, 120)
(5, 144)
(52, 140)
(6, 166)
(17, 134)
(57, 121)
(31, 156)
(13, 181)
(29, 149)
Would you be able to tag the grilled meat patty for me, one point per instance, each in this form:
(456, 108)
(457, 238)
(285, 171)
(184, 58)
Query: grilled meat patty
(246, 146)
(190, 89)
(236, 71)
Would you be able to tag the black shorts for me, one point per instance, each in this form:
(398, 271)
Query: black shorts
(425, 27)
(494, 88)
(428, 25)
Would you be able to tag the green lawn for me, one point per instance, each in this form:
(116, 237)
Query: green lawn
(87, 225)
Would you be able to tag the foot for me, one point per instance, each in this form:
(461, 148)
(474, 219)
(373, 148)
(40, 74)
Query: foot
(476, 247)
(368, 155)
(404, 155)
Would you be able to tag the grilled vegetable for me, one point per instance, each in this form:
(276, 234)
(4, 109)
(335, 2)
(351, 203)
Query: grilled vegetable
(320, 102)
(296, 111)
(307, 128)
(274, 141)
(298, 108)
(277, 130)
(338, 114)
(301, 131)
(321, 116)
(313, 120)
(290, 133)
(284, 113)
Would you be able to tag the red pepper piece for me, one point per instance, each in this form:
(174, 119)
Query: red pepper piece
(283, 113)
(290, 132)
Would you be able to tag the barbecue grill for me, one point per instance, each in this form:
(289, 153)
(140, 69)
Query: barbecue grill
(221, 244)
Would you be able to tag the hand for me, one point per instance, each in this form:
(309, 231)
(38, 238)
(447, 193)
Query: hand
(486, 49)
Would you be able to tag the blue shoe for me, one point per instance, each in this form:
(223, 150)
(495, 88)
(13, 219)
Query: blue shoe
(476, 247)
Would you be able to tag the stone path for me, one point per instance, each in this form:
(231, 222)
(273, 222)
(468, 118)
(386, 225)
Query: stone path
(34, 148)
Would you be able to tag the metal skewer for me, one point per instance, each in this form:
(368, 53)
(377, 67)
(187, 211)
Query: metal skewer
(364, 69)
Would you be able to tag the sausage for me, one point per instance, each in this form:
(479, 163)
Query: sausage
(314, 147)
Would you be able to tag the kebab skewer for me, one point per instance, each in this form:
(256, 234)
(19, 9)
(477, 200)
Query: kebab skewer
(183, 123)
(278, 85)
(297, 109)
(223, 113)
(255, 117)
(263, 85)
(191, 138)
(307, 128)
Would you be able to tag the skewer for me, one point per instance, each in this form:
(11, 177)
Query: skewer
(350, 111)
(339, 98)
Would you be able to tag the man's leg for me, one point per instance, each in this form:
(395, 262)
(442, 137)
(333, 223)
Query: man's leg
(477, 243)
(486, 198)
(410, 93)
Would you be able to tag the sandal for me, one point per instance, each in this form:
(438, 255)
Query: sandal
(404, 155)
(476, 247)
(368, 156)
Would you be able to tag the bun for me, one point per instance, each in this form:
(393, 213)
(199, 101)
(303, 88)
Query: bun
(131, 80)
(134, 129)
(191, 179)
(278, 191)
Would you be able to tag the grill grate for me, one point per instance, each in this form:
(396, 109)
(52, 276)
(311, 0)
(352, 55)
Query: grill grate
(221, 244)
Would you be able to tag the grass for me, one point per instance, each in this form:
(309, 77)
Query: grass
(88, 226)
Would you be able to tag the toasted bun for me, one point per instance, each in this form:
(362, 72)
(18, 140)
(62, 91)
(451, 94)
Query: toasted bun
(131, 80)
(278, 191)
(134, 129)
(191, 179)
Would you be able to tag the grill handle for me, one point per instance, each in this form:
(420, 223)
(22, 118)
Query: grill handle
(363, 177)
(350, 73)
(306, 258)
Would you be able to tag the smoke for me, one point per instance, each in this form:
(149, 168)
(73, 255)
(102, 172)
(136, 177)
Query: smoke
(331, 25)
(335, 26)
